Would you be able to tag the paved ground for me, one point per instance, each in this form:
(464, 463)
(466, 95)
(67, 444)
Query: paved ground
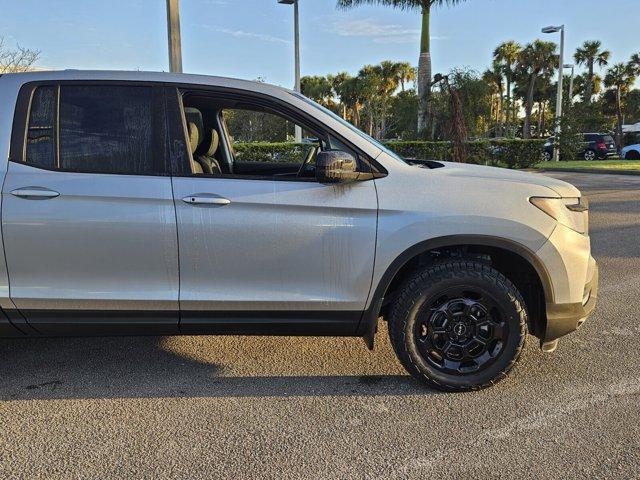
(206, 407)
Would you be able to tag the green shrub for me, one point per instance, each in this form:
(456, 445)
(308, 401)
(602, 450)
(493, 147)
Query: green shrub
(285, 152)
(501, 153)
(514, 153)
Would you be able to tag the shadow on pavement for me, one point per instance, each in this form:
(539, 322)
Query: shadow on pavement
(141, 367)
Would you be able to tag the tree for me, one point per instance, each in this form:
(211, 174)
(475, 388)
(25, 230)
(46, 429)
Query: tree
(580, 85)
(620, 78)
(457, 126)
(493, 78)
(15, 60)
(403, 112)
(339, 84)
(632, 107)
(319, 89)
(635, 63)
(506, 56)
(406, 73)
(474, 95)
(424, 65)
(536, 59)
(351, 94)
(369, 84)
(389, 75)
(590, 54)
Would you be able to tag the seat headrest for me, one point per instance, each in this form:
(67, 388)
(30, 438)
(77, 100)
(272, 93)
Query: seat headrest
(213, 145)
(194, 136)
(194, 127)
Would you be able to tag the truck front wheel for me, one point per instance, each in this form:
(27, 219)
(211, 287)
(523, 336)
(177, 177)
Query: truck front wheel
(458, 325)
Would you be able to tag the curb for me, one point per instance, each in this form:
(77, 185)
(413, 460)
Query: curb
(589, 170)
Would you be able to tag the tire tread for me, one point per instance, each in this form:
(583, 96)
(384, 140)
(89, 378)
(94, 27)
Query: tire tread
(429, 277)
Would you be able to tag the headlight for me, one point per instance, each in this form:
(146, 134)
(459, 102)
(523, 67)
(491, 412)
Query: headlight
(570, 212)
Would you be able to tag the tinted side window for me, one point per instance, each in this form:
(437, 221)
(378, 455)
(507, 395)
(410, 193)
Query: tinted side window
(258, 136)
(107, 129)
(40, 145)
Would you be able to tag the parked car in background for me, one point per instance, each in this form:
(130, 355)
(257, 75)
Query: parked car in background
(126, 211)
(596, 146)
(631, 152)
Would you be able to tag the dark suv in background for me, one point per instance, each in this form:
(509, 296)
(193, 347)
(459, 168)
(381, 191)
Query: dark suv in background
(596, 146)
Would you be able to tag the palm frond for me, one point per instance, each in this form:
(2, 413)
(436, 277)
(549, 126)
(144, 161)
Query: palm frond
(400, 4)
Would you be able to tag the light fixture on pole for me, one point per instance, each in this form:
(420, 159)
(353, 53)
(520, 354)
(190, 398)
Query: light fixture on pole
(296, 35)
(573, 70)
(555, 29)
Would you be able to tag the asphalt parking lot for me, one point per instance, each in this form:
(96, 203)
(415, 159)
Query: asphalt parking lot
(238, 407)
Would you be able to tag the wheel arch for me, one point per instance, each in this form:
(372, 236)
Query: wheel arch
(409, 260)
(632, 154)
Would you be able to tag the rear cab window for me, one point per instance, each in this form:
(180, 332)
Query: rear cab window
(40, 142)
(110, 129)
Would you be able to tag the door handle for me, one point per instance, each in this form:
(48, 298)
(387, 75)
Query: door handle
(35, 193)
(200, 199)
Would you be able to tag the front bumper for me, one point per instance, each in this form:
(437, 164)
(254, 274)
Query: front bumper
(564, 318)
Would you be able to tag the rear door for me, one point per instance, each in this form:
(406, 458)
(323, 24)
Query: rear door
(88, 219)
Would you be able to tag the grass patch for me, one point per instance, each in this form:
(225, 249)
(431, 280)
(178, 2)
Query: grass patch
(594, 165)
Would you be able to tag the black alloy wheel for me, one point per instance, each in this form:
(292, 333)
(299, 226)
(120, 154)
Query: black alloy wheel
(458, 325)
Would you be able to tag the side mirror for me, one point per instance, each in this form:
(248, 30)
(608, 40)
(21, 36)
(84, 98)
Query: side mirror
(336, 166)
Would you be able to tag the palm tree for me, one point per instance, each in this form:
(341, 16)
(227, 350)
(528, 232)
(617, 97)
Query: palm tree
(424, 64)
(590, 54)
(339, 83)
(351, 94)
(406, 73)
(493, 77)
(389, 75)
(620, 78)
(635, 62)
(580, 85)
(318, 89)
(537, 59)
(506, 55)
(370, 86)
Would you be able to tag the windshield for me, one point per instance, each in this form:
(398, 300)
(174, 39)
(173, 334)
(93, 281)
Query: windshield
(338, 118)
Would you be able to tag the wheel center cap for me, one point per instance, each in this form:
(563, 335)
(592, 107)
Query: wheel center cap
(459, 329)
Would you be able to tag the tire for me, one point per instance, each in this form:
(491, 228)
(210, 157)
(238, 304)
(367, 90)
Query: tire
(632, 155)
(589, 155)
(546, 156)
(481, 305)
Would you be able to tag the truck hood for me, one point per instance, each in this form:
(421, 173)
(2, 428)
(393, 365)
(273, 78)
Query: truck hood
(467, 170)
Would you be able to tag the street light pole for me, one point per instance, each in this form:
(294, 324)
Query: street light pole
(296, 31)
(173, 33)
(296, 36)
(573, 69)
(556, 148)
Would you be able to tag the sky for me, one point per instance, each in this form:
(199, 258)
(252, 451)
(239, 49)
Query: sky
(254, 38)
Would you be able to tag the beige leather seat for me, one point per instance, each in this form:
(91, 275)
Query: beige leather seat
(207, 160)
(194, 142)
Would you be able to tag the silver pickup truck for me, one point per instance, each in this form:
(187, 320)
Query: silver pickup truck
(164, 204)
